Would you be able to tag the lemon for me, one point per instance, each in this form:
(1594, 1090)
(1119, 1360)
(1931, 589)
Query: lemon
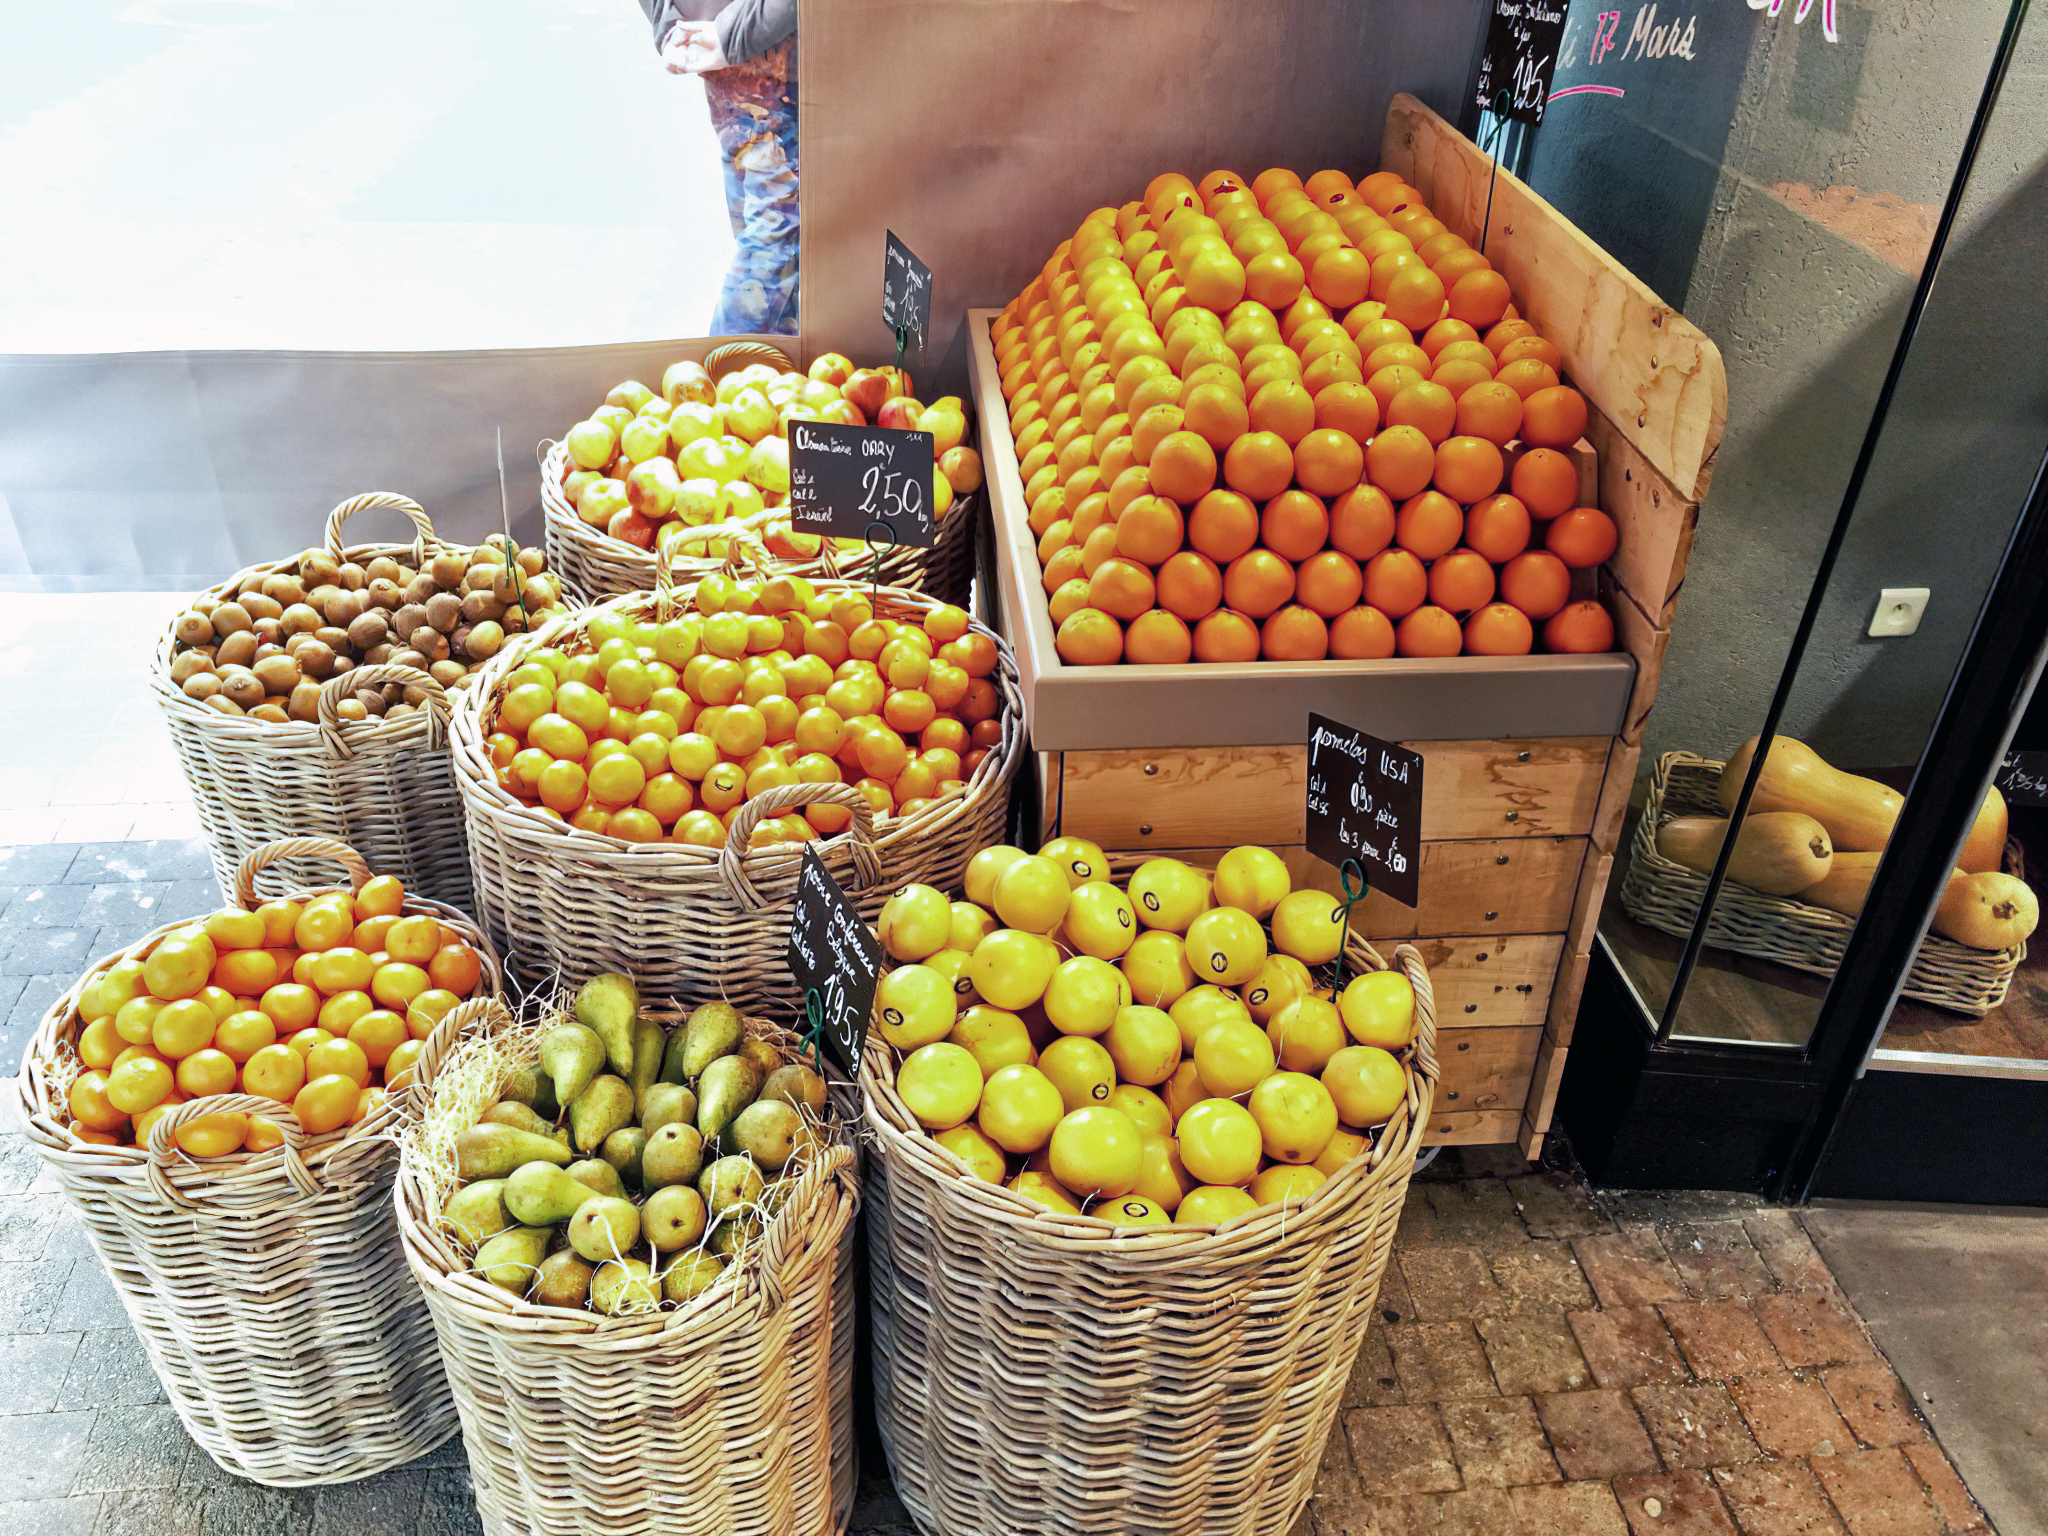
(1156, 965)
(1162, 1178)
(1019, 1108)
(1133, 1211)
(982, 870)
(970, 926)
(1199, 1009)
(1296, 1116)
(972, 1146)
(1309, 925)
(1100, 921)
(1220, 1142)
(1146, 1109)
(1079, 860)
(1032, 894)
(1210, 1205)
(1095, 1152)
(1166, 893)
(1366, 1083)
(1043, 1189)
(1227, 946)
(1281, 1183)
(1379, 1009)
(1084, 996)
(1081, 1070)
(1253, 879)
(916, 922)
(952, 964)
(1183, 1091)
(1145, 1044)
(1306, 1034)
(940, 1084)
(1344, 1146)
(1010, 969)
(996, 1038)
(1275, 984)
(914, 1006)
(1233, 1058)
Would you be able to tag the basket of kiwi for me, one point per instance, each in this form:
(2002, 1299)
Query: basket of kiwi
(308, 697)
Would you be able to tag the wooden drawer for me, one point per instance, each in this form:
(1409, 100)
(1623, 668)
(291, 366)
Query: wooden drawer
(1473, 1128)
(1492, 983)
(1485, 1069)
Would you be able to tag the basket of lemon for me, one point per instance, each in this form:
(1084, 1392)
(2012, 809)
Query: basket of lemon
(216, 1102)
(1139, 1149)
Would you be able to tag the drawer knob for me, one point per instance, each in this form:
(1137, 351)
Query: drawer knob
(1500, 859)
(1150, 769)
(1514, 815)
(1491, 916)
(1470, 1008)
(1453, 1094)
(1144, 829)
(1521, 757)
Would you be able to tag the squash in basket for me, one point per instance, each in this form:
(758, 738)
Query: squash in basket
(1984, 848)
(1777, 852)
(1986, 909)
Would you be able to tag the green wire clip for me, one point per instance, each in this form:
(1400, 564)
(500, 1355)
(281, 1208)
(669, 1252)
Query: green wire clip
(814, 1026)
(881, 537)
(1349, 870)
(902, 340)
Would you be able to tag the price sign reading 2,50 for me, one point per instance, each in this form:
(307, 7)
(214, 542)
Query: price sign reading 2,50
(891, 494)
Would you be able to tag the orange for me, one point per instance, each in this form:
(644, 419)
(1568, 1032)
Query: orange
(1286, 409)
(1131, 375)
(1149, 532)
(1294, 525)
(1400, 461)
(1498, 528)
(1581, 538)
(1226, 636)
(1361, 522)
(1389, 196)
(1089, 638)
(1491, 410)
(1461, 581)
(1332, 366)
(1128, 487)
(1269, 182)
(1218, 414)
(1388, 382)
(1328, 462)
(1158, 638)
(1350, 408)
(1166, 184)
(1546, 481)
(1062, 568)
(1223, 524)
(1414, 295)
(1361, 634)
(1497, 337)
(1153, 428)
(1430, 524)
(1258, 583)
(1429, 632)
(1260, 465)
(1331, 582)
(1323, 183)
(1527, 377)
(1579, 628)
(1373, 331)
(1298, 314)
(1340, 276)
(1216, 181)
(1190, 585)
(1274, 277)
(1183, 467)
(1294, 634)
(1071, 596)
(1121, 589)
(1444, 332)
(1498, 629)
(1554, 417)
(1478, 298)
(1453, 265)
(1390, 265)
(1468, 469)
(1395, 582)
(1467, 351)
(1458, 374)
(1397, 354)
(1215, 279)
(1430, 407)
(1529, 344)
(1536, 582)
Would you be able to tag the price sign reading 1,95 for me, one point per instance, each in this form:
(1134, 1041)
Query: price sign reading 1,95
(2023, 778)
(834, 953)
(842, 479)
(1365, 803)
(906, 296)
(1522, 42)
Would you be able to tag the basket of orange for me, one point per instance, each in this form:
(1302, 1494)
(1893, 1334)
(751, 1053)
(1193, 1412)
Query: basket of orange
(217, 1101)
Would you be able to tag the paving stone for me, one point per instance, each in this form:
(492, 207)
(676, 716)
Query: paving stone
(89, 1300)
(1472, 1512)
(1950, 1498)
(33, 1000)
(1437, 1362)
(1541, 1274)
(40, 1454)
(1717, 1261)
(1878, 1494)
(1811, 1330)
(1449, 1282)
(46, 952)
(29, 1293)
(51, 1517)
(1400, 1450)
(1874, 1403)
(48, 906)
(1788, 1253)
(1596, 1434)
(1720, 1338)
(1791, 1414)
(111, 1370)
(1671, 1207)
(1695, 1424)
(1554, 1206)
(190, 898)
(1499, 1442)
(1336, 1485)
(448, 1506)
(1374, 1381)
(1685, 1504)
(36, 863)
(124, 913)
(1534, 1352)
(1418, 1227)
(151, 1512)
(32, 1367)
(1413, 1516)
(1627, 1346)
(1477, 1211)
(1394, 1303)
(27, 1223)
(450, 1453)
(1568, 1509)
(20, 1164)
(390, 1502)
(1777, 1499)
(237, 1508)
(180, 858)
(1628, 1268)
(135, 1448)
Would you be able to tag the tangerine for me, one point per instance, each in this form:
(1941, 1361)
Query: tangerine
(1350, 408)
(1294, 634)
(1331, 582)
(1554, 417)
(1430, 524)
(1581, 538)
(1332, 366)
(1527, 377)
(1479, 297)
(1285, 408)
(1498, 528)
(1397, 354)
(1414, 295)
(1361, 634)
(1183, 467)
(1327, 461)
(1298, 314)
(1362, 522)
(1223, 524)
(1429, 631)
(1149, 532)
(1428, 406)
(1498, 336)
(1395, 582)
(1158, 638)
(1153, 428)
(1375, 330)
(1468, 469)
(1579, 628)
(1269, 182)
(1190, 585)
(1226, 636)
(1257, 583)
(1261, 464)
(1453, 265)
(1491, 410)
(1546, 481)
(1218, 414)
(1499, 629)
(1121, 588)
(1323, 183)
(1461, 581)
(1536, 582)
(1340, 276)
(1089, 638)
(1400, 460)
(1445, 331)
(1458, 374)
(1529, 344)
(1389, 381)
(1389, 265)
(1295, 525)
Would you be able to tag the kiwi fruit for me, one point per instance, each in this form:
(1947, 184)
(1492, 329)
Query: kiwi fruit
(274, 713)
(398, 711)
(340, 665)
(305, 702)
(351, 709)
(343, 608)
(367, 629)
(301, 618)
(371, 700)
(447, 673)
(229, 617)
(257, 606)
(419, 589)
(376, 655)
(447, 568)
(269, 631)
(189, 664)
(353, 577)
(383, 568)
(316, 658)
(239, 649)
(532, 561)
(223, 704)
(201, 686)
(331, 636)
(243, 686)
(278, 674)
(195, 628)
(430, 643)
(484, 640)
(444, 611)
(409, 658)
(284, 589)
(385, 593)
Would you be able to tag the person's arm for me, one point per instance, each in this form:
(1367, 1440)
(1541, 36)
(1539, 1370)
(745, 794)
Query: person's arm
(661, 15)
(750, 27)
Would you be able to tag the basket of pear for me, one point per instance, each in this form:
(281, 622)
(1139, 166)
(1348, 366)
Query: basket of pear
(1142, 1132)
(615, 1211)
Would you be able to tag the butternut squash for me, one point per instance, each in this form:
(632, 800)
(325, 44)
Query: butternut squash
(1780, 853)
(1846, 886)
(1984, 848)
(1857, 812)
(1983, 910)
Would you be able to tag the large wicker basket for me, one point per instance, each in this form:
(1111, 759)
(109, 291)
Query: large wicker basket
(595, 566)
(1038, 1373)
(728, 1416)
(1666, 896)
(382, 786)
(267, 1287)
(697, 922)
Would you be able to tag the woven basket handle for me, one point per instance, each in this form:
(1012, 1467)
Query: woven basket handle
(267, 854)
(782, 1271)
(333, 729)
(867, 864)
(491, 1013)
(423, 536)
(163, 1150)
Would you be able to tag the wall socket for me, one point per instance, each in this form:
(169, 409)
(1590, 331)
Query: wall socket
(1898, 611)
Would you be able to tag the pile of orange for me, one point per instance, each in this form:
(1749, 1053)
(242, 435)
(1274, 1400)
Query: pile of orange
(1294, 421)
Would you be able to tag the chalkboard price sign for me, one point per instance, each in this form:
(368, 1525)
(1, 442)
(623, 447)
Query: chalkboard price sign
(842, 479)
(1522, 42)
(1365, 803)
(2023, 778)
(834, 954)
(906, 296)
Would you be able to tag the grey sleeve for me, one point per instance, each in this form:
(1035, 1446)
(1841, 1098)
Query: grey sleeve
(661, 15)
(750, 27)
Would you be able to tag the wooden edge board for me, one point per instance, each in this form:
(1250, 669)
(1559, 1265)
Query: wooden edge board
(1655, 524)
(1471, 1128)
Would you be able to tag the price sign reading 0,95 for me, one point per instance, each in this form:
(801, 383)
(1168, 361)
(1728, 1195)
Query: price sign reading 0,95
(1365, 803)
(842, 479)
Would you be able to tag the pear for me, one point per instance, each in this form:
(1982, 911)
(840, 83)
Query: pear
(477, 1211)
(492, 1151)
(540, 1194)
(667, 1104)
(545, 1104)
(712, 1031)
(673, 1218)
(649, 1045)
(606, 1105)
(622, 1149)
(604, 1228)
(730, 1184)
(674, 1155)
(728, 1086)
(731, 1240)
(522, 1118)
(508, 1259)
(563, 1281)
(521, 1086)
(761, 1054)
(690, 1275)
(624, 1286)
(599, 1175)
(766, 1131)
(570, 1054)
(796, 1084)
(608, 1005)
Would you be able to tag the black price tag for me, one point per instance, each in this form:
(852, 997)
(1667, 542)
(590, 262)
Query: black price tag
(1365, 803)
(844, 479)
(2023, 778)
(834, 956)
(1522, 41)
(906, 296)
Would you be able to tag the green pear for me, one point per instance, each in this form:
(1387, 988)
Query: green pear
(608, 1005)
(522, 1118)
(509, 1259)
(477, 1211)
(545, 1104)
(673, 1218)
(667, 1104)
(690, 1275)
(712, 1031)
(622, 1287)
(599, 1175)
(604, 1106)
(766, 1131)
(570, 1054)
(540, 1194)
(728, 1086)
(521, 1086)
(796, 1084)
(492, 1151)
(761, 1054)
(730, 1184)
(604, 1228)
(731, 1240)
(622, 1149)
(563, 1281)
(674, 1155)
(649, 1045)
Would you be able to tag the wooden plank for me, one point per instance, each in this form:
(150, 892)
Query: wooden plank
(1543, 1085)
(1567, 990)
(1485, 1069)
(1637, 358)
(1471, 1128)
(1655, 523)
(1612, 810)
(1222, 796)
(1500, 982)
(1645, 640)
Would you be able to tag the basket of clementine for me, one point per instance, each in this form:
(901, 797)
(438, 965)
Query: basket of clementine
(217, 1101)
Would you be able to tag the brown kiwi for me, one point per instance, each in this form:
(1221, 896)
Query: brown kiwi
(316, 659)
(447, 673)
(444, 611)
(239, 649)
(333, 638)
(305, 702)
(270, 631)
(352, 577)
(409, 618)
(201, 685)
(398, 711)
(273, 713)
(188, 664)
(229, 617)
(243, 686)
(368, 629)
(279, 674)
(410, 658)
(430, 643)
(284, 589)
(342, 608)
(532, 561)
(387, 595)
(351, 709)
(301, 619)
(260, 607)
(419, 589)
(371, 700)
(383, 568)
(377, 655)
(253, 582)
(223, 704)
(478, 606)
(342, 664)
(317, 568)
(485, 640)
(195, 628)
(447, 568)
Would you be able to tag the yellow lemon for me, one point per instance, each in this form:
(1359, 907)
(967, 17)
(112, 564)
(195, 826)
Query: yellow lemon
(1296, 1116)
(1183, 1091)
(1084, 996)
(1233, 1058)
(1281, 1183)
(1145, 1044)
(1306, 1034)
(1253, 879)
(1366, 1083)
(983, 870)
(1211, 1205)
(1078, 859)
(1162, 1178)
(996, 1038)
(941, 1085)
(1309, 925)
(1220, 1142)
(1275, 984)
(1199, 1009)
(970, 926)
(1032, 894)
(1019, 1108)
(914, 1006)
(1165, 893)
(1043, 1189)
(1096, 1152)
(969, 1143)
(952, 964)
(1147, 1110)
(1344, 1145)
(1227, 946)
(1133, 1210)
(1100, 921)
(1080, 1068)
(916, 922)
(1010, 969)
(1379, 1009)
(1156, 965)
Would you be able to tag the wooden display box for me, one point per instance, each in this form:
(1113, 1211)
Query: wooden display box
(1529, 760)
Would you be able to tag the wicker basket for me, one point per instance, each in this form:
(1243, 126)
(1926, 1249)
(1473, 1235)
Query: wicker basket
(594, 566)
(1034, 1372)
(267, 1287)
(697, 922)
(1666, 896)
(728, 1416)
(382, 786)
